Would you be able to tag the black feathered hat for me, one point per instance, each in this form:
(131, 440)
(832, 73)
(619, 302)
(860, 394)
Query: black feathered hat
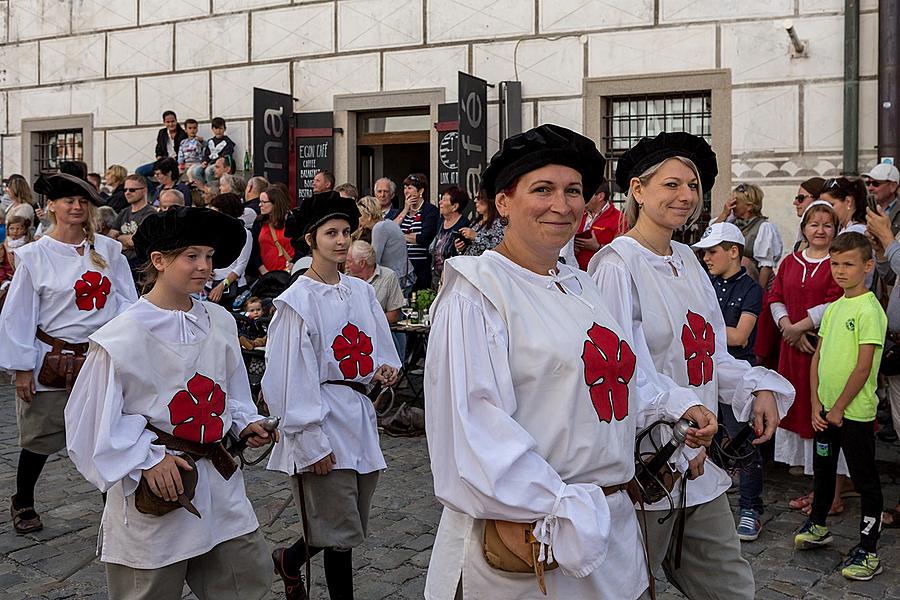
(63, 185)
(183, 226)
(539, 147)
(317, 209)
(651, 151)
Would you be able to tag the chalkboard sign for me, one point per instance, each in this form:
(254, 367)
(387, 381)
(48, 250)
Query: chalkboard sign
(314, 143)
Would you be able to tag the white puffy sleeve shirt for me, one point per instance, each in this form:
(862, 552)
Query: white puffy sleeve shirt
(768, 248)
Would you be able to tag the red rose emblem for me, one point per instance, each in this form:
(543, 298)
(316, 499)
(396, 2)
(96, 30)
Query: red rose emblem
(195, 412)
(91, 291)
(353, 349)
(609, 365)
(699, 341)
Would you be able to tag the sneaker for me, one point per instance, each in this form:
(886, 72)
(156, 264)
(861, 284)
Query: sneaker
(812, 536)
(748, 525)
(861, 565)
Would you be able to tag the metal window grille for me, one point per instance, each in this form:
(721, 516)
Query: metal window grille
(54, 147)
(630, 118)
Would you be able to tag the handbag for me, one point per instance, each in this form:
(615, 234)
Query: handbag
(61, 363)
(148, 503)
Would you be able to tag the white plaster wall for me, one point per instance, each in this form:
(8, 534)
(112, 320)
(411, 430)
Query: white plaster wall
(578, 15)
(660, 51)
(429, 67)
(316, 82)
(140, 51)
(130, 148)
(232, 89)
(98, 160)
(73, 58)
(367, 24)
(567, 113)
(690, 11)
(111, 103)
(12, 155)
(292, 32)
(2, 113)
(758, 51)
(19, 65)
(29, 19)
(187, 94)
(224, 6)
(453, 20)
(765, 119)
(545, 67)
(156, 11)
(92, 15)
(4, 21)
(211, 42)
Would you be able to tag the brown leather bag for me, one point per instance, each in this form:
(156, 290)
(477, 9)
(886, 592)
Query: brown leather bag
(61, 363)
(512, 547)
(145, 501)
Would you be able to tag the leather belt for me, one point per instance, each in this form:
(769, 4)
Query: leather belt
(353, 385)
(215, 452)
(48, 339)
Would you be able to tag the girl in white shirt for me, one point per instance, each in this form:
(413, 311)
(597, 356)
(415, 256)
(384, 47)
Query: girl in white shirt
(66, 285)
(534, 392)
(674, 308)
(165, 381)
(329, 340)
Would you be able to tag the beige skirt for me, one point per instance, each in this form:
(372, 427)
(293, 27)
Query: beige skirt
(337, 507)
(42, 422)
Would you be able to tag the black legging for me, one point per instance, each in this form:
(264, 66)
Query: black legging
(857, 440)
(30, 466)
(338, 567)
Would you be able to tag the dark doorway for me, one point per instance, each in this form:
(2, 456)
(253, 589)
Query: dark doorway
(395, 161)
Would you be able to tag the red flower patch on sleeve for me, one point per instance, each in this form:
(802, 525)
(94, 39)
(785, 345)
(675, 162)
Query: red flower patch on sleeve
(353, 351)
(92, 290)
(196, 412)
(699, 341)
(609, 364)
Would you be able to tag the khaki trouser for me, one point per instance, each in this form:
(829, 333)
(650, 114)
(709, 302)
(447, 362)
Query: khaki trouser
(711, 563)
(238, 569)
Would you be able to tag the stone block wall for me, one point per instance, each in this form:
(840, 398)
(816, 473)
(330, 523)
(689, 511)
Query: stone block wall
(125, 61)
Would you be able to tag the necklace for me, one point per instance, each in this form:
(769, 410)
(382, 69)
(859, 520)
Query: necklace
(322, 279)
(652, 247)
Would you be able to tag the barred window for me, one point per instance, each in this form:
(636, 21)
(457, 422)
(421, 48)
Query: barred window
(54, 147)
(630, 118)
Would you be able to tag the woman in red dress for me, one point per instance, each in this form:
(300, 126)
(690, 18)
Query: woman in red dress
(274, 246)
(802, 290)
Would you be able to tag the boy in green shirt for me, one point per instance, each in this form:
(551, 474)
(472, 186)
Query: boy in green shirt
(843, 378)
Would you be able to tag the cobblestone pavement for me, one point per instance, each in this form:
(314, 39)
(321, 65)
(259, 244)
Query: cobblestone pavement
(57, 562)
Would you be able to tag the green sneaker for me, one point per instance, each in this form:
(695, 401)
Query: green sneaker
(812, 536)
(861, 565)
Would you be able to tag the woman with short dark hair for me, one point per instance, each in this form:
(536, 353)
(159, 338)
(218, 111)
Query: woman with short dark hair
(453, 202)
(419, 220)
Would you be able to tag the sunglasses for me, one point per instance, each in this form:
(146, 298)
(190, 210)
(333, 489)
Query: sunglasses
(741, 189)
(873, 183)
(133, 189)
(802, 197)
(837, 184)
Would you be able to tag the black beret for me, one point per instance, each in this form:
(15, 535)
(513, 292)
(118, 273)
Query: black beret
(652, 151)
(539, 147)
(183, 226)
(317, 209)
(63, 185)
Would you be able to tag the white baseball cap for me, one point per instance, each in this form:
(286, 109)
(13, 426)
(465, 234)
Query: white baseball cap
(717, 233)
(884, 172)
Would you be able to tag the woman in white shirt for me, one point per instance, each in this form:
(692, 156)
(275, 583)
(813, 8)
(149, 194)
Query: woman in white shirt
(763, 247)
(534, 392)
(67, 284)
(672, 305)
(163, 384)
(328, 342)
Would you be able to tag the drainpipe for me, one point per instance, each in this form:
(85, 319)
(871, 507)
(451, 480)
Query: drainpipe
(851, 86)
(888, 72)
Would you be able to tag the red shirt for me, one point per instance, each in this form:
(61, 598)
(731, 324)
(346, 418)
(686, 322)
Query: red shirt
(272, 258)
(605, 227)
